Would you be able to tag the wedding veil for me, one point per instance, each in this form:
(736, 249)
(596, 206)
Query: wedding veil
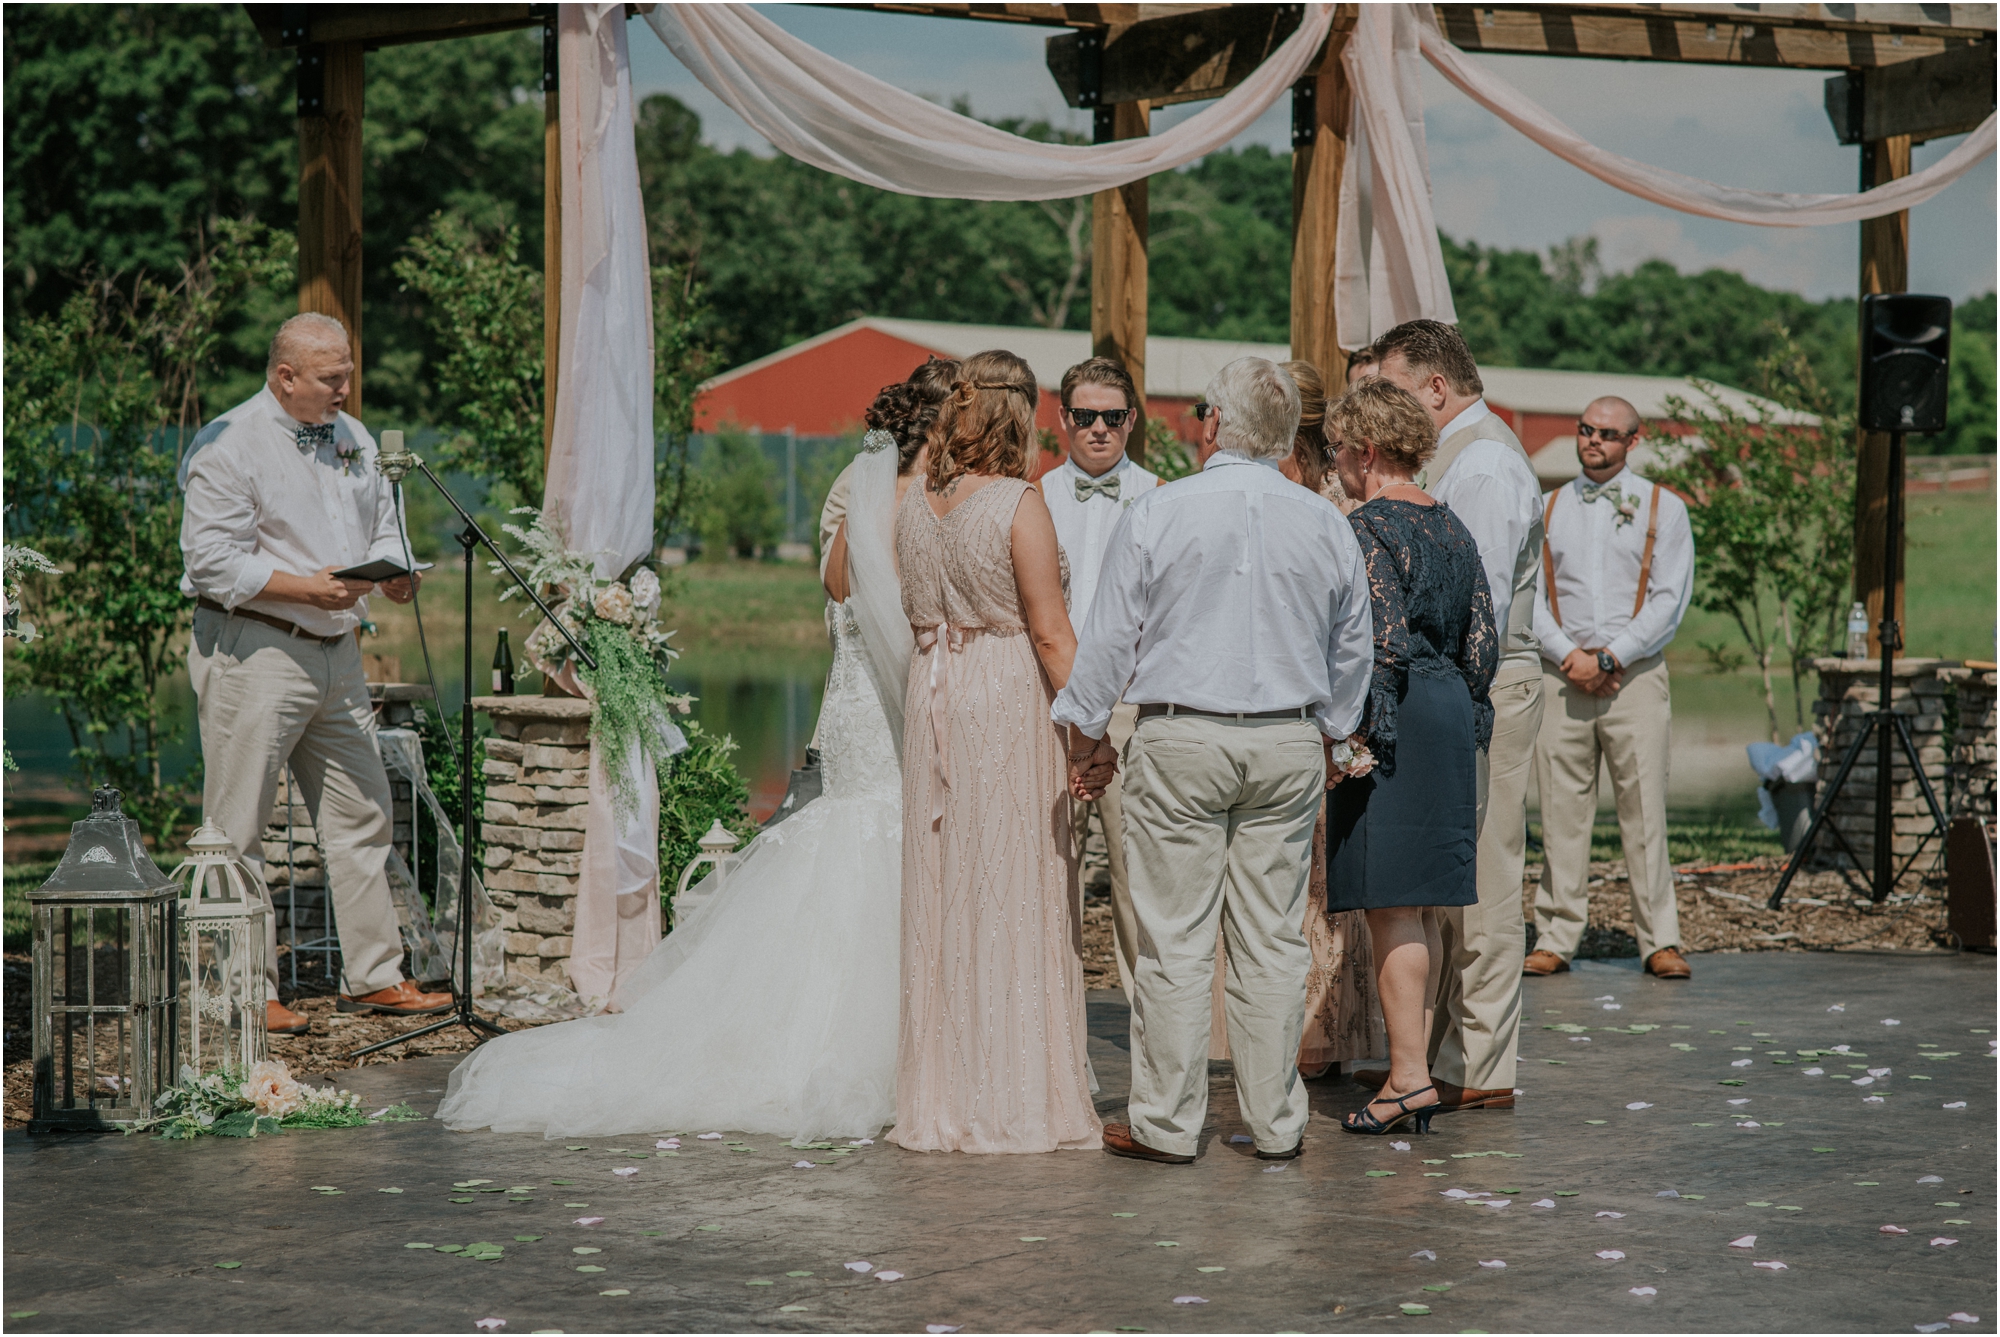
(875, 592)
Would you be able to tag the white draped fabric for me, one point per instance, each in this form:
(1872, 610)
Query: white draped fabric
(877, 599)
(829, 114)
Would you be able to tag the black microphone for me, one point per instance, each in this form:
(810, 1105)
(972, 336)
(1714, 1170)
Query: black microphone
(392, 459)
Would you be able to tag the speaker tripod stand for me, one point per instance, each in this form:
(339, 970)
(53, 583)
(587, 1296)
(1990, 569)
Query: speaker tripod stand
(1888, 729)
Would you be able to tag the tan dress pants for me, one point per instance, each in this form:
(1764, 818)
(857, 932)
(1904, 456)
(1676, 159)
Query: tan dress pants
(1477, 1032)
(1218, 827)
(1631, 732)
(1110, 809)
(267, 700)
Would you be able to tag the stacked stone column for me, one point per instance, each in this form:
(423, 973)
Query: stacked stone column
(1972, 743)
(1848, 691)
(537, 769)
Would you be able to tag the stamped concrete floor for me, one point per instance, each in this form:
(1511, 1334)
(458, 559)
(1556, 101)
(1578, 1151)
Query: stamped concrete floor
(125, 1234)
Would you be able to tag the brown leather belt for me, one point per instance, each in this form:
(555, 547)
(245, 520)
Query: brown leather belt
(289, 628)
(1155, 708)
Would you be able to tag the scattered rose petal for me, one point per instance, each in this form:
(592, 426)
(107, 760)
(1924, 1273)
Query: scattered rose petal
(888, 1276)
(1746, 1242)
(1545, 1202)
(862, 1142)
(1932, 1327)
(1604, 998)
(1579, 1039)
(1615, 1216)
(1864, 1081)
(1238, 1138)
(626, 1170)
(1614, 1007)
(1667, 1193)
(803, 1165)
(490, 1324)
(1942, 1242)
(1645, 1290)
(1880, 1072)
(1838, 1007)
(1611, 1255)
(1189, 1300)
(1962, 1317)
(1274, 1169)
(1814, 1072)
(1890, 1021)
(1492, 1262)
(1775, 1267)
(1426, 1255)
(1872, 1100)
(857, 1267)
(588, 1220)
(1494, 1202)
(1955, 1105)
(1639, 1105)
(1931, 1179)
(1399, 1146)
(711, 1137)
(944, 1327)
(1892, 1230)
(667, 1143)
(1741, 1063)
(1740, 1100)
(1749, 1123)
(379, 1113)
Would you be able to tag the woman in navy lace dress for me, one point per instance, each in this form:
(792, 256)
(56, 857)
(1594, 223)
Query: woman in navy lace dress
(1402, 827)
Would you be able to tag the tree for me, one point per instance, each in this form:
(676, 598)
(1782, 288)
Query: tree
(103, 397)
(1772, 516)
(738, 509)
(681, 362)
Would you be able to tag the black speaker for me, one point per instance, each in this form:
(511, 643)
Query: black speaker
(1905, 358)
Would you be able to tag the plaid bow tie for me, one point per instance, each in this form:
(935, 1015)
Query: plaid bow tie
(315, 434)
(1590, 491)
(1108, 485)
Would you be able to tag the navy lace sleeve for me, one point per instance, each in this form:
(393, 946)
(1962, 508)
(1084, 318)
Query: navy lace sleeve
(1479, 659)
(1392, 640)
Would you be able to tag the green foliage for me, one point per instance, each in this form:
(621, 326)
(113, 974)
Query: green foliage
(102, 398)
(1972, 399)
(484, 311)
(682, 360)
(698, 787)
(737, 509)
(629, 694)
(1773, 518)
(441, 770)
(1166, 454)
(19, 880)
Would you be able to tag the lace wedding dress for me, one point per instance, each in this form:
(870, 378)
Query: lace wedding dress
(773, 1007)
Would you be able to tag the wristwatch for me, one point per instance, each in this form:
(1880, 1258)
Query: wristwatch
(1605, 663)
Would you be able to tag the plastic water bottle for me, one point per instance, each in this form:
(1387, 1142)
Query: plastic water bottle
(1857, 632)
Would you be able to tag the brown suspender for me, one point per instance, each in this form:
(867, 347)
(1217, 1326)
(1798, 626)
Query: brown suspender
(1645, 558)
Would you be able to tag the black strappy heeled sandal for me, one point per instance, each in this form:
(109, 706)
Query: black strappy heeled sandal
(1363, 1120)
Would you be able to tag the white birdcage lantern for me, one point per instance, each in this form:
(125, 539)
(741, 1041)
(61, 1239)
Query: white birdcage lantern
(718, 845)
(223, 987)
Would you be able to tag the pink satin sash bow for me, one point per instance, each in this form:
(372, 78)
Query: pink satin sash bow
(954, 642)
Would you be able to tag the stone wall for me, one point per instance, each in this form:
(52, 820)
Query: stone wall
(537, 788)
(1848, 691)
(1972, 743)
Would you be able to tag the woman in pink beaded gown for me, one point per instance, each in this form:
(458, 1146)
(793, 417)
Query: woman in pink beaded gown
(990, 1054)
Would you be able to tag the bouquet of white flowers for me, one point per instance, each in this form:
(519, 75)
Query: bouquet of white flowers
(1352, 758)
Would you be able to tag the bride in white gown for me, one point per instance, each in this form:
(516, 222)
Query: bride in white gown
(773, 1007)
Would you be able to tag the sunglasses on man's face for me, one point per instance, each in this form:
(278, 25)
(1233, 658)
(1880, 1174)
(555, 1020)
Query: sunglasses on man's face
(1584, 431)
(1113, 418)
(1202, 410)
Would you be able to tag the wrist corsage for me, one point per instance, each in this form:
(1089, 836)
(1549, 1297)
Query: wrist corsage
(1351, 758)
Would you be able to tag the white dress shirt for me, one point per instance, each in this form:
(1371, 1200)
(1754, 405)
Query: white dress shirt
(1234, 589)
(1597, 554)
(1494, 493)
(257, 502)
(1084, 527)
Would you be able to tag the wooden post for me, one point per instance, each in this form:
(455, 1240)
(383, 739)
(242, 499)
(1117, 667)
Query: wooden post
(551, 239)
(330, 103)
(1885, 267)
(1321, 105)
(1118, 221)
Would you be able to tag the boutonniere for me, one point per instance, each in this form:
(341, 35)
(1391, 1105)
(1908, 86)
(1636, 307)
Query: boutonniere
(1628, 509)
(348, 454)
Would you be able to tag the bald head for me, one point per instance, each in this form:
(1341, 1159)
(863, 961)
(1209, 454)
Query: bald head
(310, 368)
(1605, 435)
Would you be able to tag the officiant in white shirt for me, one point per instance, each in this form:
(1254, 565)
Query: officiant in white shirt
(281, 493)
(1086, 494)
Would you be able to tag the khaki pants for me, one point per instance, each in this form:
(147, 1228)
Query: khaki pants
(1110, 810)
(1631, 732)
(1477, 1033)
(268, 700)
(1218, 827)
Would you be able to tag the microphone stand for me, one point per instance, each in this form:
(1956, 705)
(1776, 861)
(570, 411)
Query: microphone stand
(394, 466)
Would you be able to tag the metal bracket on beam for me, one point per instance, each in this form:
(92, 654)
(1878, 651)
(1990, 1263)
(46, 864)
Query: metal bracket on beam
(1089, 57)
(312, 80)
(1104, 125)
(551, 57)
(1305, 107)
(294, 25)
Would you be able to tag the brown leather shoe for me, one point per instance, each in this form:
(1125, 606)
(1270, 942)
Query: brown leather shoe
(281, 1020)
(403, 1000)
(1118, 1140)
(1668, 964)
(1540, 962)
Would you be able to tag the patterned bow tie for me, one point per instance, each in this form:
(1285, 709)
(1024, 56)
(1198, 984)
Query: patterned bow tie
(315, 434)
(1592, 491)
(1108, 485)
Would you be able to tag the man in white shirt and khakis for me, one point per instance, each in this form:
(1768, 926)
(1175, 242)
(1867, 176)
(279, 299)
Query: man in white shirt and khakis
(282, 492)
(1482, 473)
(1233, 610)
(1617, 574)
(1087, 493)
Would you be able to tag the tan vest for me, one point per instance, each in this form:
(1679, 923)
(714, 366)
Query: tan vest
(1519, 640)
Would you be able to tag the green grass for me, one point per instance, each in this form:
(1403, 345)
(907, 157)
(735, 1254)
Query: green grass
(747, 606)
(20, 879)
(1692, 838)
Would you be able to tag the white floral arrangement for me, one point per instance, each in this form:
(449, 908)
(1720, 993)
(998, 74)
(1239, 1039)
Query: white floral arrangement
(1351, 758)
(267, 1099)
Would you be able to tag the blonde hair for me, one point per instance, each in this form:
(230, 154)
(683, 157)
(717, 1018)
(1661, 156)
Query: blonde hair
(987, 424)
(1388, 417)
(1310, 451)
(1260, 408)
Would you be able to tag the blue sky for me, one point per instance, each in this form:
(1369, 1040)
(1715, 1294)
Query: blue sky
(1758, 128)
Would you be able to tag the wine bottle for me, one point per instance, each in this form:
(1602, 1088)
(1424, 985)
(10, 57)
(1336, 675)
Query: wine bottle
(503, 667)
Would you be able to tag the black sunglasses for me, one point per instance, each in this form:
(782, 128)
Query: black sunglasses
(1202, 410)
(1584, 430)
(1113, 418)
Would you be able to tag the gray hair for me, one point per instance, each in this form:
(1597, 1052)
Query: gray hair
(1260, 408)
(305, 330)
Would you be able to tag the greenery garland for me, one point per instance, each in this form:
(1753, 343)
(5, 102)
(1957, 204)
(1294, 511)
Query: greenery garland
(264, 1100)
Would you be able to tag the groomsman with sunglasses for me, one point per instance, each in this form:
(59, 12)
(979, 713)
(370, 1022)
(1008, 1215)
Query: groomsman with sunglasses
(1617, 573)
(1086, 495)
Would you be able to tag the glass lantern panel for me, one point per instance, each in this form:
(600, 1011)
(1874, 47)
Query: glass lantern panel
(222, 994)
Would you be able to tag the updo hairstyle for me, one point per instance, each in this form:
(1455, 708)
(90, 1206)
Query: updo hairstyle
(907, 409)
(987, 424)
